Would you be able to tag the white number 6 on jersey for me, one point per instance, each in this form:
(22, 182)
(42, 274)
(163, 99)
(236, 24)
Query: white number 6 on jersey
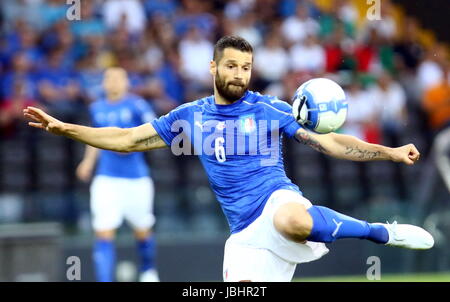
(219, 150)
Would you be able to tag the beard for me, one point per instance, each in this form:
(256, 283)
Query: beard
(231, 91)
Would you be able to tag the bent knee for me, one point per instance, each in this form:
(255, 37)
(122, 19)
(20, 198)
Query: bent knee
(293, 221)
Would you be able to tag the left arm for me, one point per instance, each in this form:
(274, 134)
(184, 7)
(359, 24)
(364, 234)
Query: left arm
(351, 148)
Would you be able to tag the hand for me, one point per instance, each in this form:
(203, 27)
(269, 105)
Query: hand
(44, 121)
(407, 154)
(84, 171)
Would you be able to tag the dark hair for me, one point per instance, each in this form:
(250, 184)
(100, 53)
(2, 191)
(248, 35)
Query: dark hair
(231, 42)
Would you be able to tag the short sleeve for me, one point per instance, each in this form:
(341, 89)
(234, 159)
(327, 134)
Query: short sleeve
(163, 124)
(282, 111)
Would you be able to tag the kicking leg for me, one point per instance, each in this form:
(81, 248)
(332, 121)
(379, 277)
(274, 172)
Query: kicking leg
(321, 224)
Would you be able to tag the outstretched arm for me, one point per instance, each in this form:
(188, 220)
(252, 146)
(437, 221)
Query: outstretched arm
(351, 148)
(141, 138)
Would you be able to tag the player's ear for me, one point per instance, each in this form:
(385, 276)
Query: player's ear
(212, 67)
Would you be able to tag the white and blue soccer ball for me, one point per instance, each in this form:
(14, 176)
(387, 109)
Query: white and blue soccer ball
(320, 105)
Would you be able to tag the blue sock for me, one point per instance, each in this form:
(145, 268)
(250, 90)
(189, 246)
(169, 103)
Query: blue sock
(329, 225)
(104, 260)
(147, 253)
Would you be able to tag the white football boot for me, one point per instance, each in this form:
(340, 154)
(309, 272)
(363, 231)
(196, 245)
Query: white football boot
(149, 276)
(408, 236)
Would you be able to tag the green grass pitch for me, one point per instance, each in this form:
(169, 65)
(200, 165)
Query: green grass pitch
(420, 277)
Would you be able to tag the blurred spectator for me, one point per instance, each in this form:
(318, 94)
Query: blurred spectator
(20, 72)
(266, 12)
(161, 31)
(246, 28)
(26, 10)
(429, 72)
(297, 28)
(347, 12)
(196, 52)
(363, 114)
(331, 19)
(50, 12)
(308, 56)
(58, 87)
(90, 68)
(334, 55)
(22, 39)
(120, 40)
(392, 101)
(285, 89)
(60, 36)
(271, 61)
(386, 27)
(408, 46)
(129, 12)
(90, 25)
(367, 54)
(287, 8)
(165, 8)
(436, 102)
(170, 75)
(128, 60)
(11, 108)
(194, 14)
(235, 9)
(153, 56)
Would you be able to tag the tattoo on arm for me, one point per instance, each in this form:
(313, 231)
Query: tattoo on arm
(148, 141)
(308, 140)
(361, 154)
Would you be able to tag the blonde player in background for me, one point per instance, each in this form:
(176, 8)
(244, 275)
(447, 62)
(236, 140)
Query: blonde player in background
(122, 187)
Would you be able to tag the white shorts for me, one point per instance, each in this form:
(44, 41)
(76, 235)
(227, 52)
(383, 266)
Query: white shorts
(114, 199)
(260, 253)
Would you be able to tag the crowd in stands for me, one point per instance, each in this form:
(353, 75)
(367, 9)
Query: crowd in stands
(392, 78)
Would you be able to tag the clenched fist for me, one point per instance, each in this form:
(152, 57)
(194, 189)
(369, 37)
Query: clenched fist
(407, 154)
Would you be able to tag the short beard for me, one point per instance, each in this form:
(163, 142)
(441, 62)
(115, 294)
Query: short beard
(228, 92)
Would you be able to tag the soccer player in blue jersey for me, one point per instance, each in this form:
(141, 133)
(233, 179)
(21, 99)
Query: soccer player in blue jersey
(237, 135)
(122, 187)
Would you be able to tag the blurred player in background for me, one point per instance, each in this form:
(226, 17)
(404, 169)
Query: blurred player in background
(273, 227)
(122, 187)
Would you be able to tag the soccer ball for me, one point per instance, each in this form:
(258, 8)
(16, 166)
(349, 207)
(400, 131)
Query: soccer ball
(320, 105)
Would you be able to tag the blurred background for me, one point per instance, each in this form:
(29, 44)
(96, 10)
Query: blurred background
(395, 71)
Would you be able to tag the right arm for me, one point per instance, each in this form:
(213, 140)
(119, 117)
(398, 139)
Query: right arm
(86, 166)
(141, 138)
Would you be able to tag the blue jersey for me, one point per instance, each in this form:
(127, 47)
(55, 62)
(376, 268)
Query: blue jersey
(239, 146)
(129, 112)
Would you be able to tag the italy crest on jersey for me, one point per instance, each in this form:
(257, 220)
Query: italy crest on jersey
(247, 123)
